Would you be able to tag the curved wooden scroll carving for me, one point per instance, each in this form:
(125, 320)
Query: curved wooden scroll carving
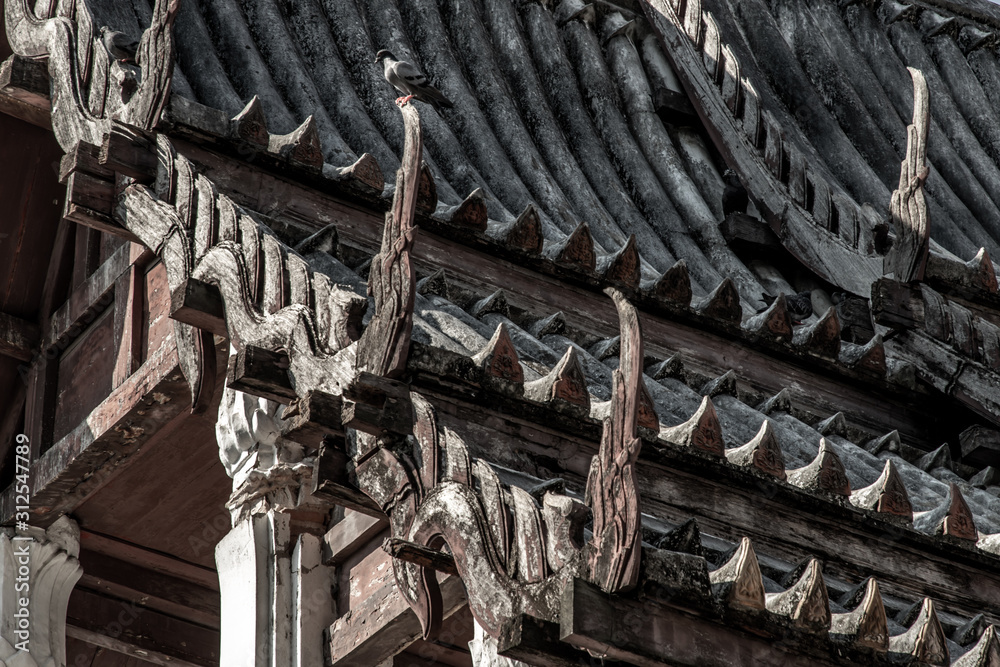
(907, 258)
(613, 554)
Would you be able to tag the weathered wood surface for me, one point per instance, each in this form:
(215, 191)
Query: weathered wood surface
(679, 29)
(24, 91)
(907, 258)
(385, 343)
(77, 465)
(18, 338)
(611, 488)
(93, 618)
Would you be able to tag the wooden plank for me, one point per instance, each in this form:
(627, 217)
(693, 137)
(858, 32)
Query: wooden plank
(98, 641)
(334, 483)
(161, 592)
(82, 461)
(383, 624)
(154, 561)
(18, 338)
(128, 628)
(350, 534)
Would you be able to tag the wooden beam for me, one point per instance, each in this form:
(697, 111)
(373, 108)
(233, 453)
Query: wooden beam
(130, 151)
(334, 483)
(648, 634)
(262, 373)
(83, 460)
(18, 338)
(349, 534)
(127, 627)
(200, 305)
(24, 91)
(92, 296)
(161, 592)
(383, 624)
(149, 560)
(419, 555)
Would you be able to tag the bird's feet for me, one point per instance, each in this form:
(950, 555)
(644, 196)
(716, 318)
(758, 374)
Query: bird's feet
(402, 101)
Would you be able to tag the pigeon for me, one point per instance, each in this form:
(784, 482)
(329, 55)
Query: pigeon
(734, 197)
(119, 45)
(799, 305)
(410, 81)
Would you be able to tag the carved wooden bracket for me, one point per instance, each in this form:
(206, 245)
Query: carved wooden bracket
(907, 258)
(156, 55)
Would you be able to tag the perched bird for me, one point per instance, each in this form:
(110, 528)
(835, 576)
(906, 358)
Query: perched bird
(410, 81)
(734, 197)
(799, 305)
(119, 45)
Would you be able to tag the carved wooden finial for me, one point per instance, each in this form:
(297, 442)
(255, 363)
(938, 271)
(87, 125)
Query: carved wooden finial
(250, 124)
(607, 348)
(576, 250)
(494, 303)
(499, 358)
(959, 521)
(887, 495)
(835, 424)
(565, 383)
(889, 442)
(365, 171)
(907, 258)
(870, 356)
(623, 266)
(762, 452)
(702, 431)
(970, 631)
(826, 473)
(385, 343)
(925, 640)
(523, 234)
(723, 303)
(892, 11)
(436, 283)
(951, 518)
(685, 538)
(325, 240)
(471, 213)
(553, 324)
(807, 603)
(738, 583)
(822, 337)
(674, 286)
(156, 54)
(983, 275)
(780, 402)
(301, 145)
(724, 384)
(772, 324)
(427, 196)
(668, 368)
(612, 493)
(939, 458)
(986, 652)
(866, 626)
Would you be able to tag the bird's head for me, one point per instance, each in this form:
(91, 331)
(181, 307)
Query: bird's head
(383, 54)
